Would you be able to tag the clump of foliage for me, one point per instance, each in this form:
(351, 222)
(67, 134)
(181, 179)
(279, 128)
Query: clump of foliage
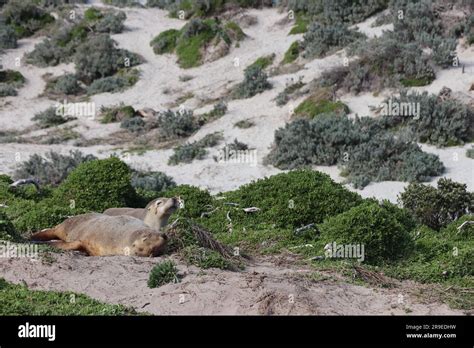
(173, 125)
(163, 273)
(116, 83)
(286, 200)
(205, 258)
(7, 230)
(195, 150)
(195, 200)
(302, 22)
(49, 118)
(315, 105)
(98, 58)
(437, 207)
(244, 124)
(330, 139)
(18, 300)
(323, 39)
(189, 41)
(442, 122)
(151, 184)
(470, 153)
(51, 169)
(263, 62)
(116, 113)
(133, 125)
(217, 111)
(7, 37)
(10, 81)
(98, 185)
(370, 225)
(292, 53)
(67, 84)
(25, 17)
(290, 89)
(255, 82)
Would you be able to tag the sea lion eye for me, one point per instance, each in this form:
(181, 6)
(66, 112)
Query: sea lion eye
(158, 203)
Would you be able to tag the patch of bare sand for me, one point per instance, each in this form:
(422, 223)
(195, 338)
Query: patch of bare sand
(270, 285)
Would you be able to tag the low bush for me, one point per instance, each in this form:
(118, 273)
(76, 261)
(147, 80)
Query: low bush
(329, 139)
(290, 89)
(217, 111)
(98, 185)
(369, 224)
(196, 150)
(255, 82)
(25, 17)
(133, 125)
(165, 42)
(286, 200)
(116, 113)
(244, 124)
(67, 84)
(7, 37)
(312, 107)
(292, 53)
(7, 90)
(151, 184)
(263, 62)
(111, 23)
(323, 39)
(51, 169)
(437, 207)
(173, 125)
(49, 118)
(195, 200)
(7, 230)
(440, 122)
(163, 273)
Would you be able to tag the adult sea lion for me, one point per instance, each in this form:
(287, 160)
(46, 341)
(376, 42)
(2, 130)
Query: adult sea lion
(155, 214)
(102, 235)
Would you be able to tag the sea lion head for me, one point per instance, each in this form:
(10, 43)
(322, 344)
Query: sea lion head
(164, 207)
(149, 244)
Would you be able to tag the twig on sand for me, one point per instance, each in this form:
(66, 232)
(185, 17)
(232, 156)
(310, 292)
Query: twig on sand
(371, 276)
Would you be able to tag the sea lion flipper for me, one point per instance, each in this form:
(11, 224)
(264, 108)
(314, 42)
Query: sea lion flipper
(76, 245)
(45, 235)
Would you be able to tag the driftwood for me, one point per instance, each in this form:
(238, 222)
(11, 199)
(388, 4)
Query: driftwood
(372, 277)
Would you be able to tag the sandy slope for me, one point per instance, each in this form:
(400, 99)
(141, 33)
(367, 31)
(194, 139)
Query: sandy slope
(161, 72)
(268, 286)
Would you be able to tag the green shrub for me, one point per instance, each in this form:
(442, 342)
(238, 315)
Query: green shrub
(155, 182)
(217, 111)
(323, 39)
(329, 139)
(109, 84)
(311, 108)
(301, 24)
(292, 53)
(162, 273)
(437, 207)
(195, 200)
(370, 225)
(111, 23)
(173, 125)
(291, 88)
(116, 113)
(470, 153)
(244, 124)
(165, 42)
(255, 82)
(196, 150)
(205, 258)
(286, 200)
(51, 169)
(7, 90)
(25, 17)
(12, 77)
(49, 118)
(67, 84)
(7, 230)
(263, 62)
(440, 122)
(29, 216)
(7, 37)
(92, 14)
(133, 125)
(98, 185)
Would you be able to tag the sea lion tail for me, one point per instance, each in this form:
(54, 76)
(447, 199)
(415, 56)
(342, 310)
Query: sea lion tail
(44, 235)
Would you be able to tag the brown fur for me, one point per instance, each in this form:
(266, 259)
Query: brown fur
(101, 235)
(155, 214)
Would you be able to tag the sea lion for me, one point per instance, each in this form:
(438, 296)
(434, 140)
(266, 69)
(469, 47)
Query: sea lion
(101, 235)
(155, 214)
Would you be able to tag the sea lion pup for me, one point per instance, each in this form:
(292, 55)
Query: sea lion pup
(102, 235)
(155, 214)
